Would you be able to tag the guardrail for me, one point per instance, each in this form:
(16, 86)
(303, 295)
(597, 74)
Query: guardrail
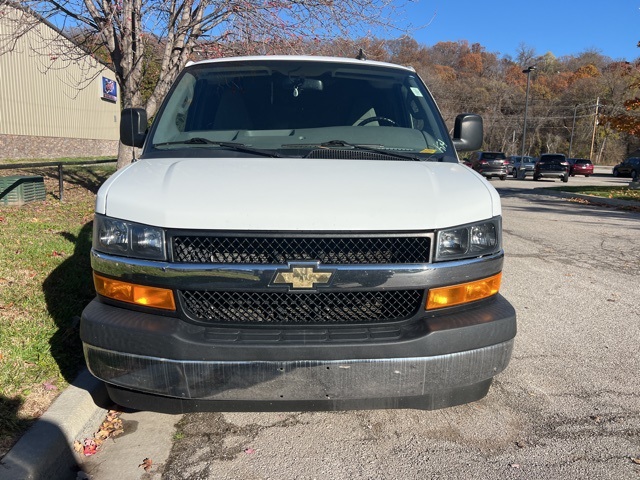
(59, 165)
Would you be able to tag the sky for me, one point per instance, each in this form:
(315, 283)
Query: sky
(562, 27)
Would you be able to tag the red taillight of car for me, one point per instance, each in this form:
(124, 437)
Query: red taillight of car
(484, 162)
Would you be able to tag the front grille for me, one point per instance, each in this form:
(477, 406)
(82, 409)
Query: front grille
(319, 308)
(328, 250)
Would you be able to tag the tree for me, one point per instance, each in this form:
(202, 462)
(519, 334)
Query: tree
(128, 30)
(628, 120)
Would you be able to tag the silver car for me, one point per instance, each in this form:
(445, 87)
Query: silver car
(522, 166)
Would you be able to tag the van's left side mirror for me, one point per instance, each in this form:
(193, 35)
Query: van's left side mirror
(133, 126)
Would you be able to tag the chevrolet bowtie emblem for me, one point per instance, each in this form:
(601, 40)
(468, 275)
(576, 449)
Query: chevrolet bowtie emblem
(302, 277)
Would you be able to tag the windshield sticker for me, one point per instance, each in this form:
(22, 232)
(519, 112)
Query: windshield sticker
(441, 145)
(416, 91)
(428, 150)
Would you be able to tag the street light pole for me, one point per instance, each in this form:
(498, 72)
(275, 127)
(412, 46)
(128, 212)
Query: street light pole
(522, 172)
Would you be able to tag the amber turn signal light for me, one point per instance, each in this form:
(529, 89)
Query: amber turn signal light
(137, 294)
(463, 293)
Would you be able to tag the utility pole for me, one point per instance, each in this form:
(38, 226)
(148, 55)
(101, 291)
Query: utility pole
(595, 124)
(573, 127)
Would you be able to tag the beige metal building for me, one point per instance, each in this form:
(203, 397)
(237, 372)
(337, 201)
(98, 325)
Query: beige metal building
(55, 100)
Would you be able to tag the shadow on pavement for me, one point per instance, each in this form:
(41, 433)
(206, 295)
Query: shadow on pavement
(41, 453)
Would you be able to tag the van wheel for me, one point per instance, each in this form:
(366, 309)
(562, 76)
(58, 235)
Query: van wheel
(536, 177)
(503, 177)
(565, 179)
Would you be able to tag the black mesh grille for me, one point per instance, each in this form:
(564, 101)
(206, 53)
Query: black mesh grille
(302, 309)
(280, 250)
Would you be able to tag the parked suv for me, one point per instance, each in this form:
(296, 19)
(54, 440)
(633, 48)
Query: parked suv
(629, 168)
(490, 164)
(522, 166)
(552, 165)
(580, 166)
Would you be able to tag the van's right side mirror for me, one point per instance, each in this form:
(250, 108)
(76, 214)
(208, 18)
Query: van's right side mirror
(467, 132)
(133, 126)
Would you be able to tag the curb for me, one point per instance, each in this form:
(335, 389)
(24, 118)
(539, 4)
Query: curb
(592, 199)
(45, 451)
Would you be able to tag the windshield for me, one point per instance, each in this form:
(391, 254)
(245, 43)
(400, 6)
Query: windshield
(295, 107)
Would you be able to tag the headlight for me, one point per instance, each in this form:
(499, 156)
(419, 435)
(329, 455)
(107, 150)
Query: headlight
(467, 241)
(130, 239)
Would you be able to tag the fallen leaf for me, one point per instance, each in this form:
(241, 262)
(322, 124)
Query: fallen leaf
(515, 465)
(57, 254)
(249, 451)
(110, 427)
(636, 461)
(78, 447)
(48, 386)
(146, 464)
(90, 447)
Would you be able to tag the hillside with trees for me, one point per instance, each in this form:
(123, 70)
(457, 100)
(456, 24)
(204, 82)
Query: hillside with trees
(585, 105)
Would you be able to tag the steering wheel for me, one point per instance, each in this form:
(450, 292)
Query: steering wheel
(386, 120)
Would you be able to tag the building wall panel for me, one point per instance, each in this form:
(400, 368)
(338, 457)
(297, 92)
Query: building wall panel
(51, 88)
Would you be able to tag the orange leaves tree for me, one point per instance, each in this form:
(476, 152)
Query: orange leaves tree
(628, 121)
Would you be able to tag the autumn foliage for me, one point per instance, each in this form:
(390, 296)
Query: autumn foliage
(585, 102)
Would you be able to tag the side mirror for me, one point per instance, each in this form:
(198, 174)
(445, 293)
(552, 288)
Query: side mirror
(467, 132)
(133, 126)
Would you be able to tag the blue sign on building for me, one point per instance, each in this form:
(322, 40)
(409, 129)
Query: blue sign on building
(109, 89)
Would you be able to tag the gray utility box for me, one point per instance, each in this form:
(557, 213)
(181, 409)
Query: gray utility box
(18, 189)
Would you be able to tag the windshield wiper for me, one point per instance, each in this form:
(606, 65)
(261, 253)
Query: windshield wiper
(238, 147)
(369, 148)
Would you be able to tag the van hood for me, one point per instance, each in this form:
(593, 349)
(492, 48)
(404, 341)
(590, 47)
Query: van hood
(292, 194)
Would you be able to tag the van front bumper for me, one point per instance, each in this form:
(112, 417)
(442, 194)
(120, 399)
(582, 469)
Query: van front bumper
(149, 362)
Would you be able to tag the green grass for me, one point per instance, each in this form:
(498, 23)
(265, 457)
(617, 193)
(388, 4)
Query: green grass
(619, 193)
(45, 282)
